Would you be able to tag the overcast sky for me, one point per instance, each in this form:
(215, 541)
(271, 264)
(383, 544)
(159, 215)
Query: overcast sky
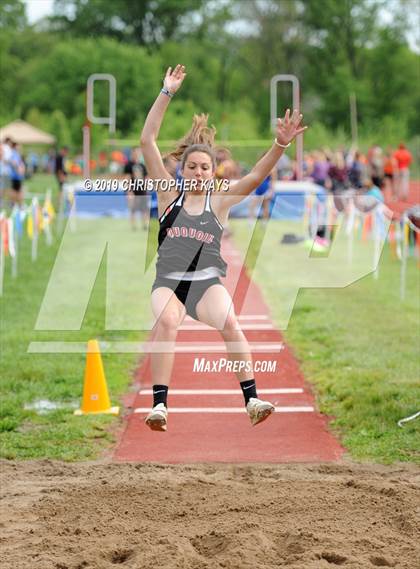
(36, 9)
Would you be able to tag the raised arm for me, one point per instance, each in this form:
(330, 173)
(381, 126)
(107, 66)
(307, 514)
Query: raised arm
(287, 129)
(152, 157)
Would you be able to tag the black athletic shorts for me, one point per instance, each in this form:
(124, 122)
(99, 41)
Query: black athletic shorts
(188, 292)
(16, 185)
(377, 180)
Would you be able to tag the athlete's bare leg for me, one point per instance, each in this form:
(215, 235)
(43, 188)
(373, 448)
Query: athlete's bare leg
(215, 309)
(266, 209)
(253, 205)
(133, 220)
(169, 313)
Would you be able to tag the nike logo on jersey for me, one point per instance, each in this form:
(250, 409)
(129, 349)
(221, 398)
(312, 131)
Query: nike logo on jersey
(203, 222)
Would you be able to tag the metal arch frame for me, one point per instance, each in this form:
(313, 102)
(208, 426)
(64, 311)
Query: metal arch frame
(111, 119)
(287, 78)
(91, 118)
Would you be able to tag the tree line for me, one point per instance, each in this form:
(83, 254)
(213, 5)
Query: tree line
(231, 49)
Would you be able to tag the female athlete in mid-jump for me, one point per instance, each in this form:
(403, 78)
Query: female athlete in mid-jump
(191, 220)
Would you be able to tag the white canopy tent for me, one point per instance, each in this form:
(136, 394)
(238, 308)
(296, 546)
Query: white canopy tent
(24, 133)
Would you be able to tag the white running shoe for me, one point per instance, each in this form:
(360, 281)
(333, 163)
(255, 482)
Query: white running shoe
(258, 410)
(157, 419)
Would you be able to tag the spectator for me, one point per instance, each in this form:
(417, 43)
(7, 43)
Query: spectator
(284, 168)
(356, 171)
(137, 196)
(371, 189)
(222, 154)
(17, 174)
(60, 172)
(229, 170)
(44, 162)
(320, 169)
(306, 166)
(60, 167)
(5, 169)
(390, 174)
(404, 159)
(338, 173)
(376, 165)
(226, 169)
(102, 162)
(368, 197)
(51, 161)
(33, 163)
(118, 162)
(264, 192)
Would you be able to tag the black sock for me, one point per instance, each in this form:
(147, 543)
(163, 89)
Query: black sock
(249, 389)
(160, 394)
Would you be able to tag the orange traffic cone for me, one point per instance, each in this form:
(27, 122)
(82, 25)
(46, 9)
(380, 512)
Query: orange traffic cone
(95, 391)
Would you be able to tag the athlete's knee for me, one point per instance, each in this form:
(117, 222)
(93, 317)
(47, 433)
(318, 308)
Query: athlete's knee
(230, 323)
(169, 319)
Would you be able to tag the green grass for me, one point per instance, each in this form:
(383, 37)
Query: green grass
(357, 345)
(58, 377)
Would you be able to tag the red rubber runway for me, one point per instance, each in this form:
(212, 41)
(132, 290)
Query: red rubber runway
(213, 426)
(413, 198)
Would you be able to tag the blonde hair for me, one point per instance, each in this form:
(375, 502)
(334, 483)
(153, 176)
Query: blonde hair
(199, 133)
(338, 160)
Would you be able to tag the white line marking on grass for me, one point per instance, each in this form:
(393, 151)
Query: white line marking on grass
(57, 348)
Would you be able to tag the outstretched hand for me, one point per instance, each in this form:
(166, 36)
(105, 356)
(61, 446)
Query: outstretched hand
(174, 78)
(289, 127)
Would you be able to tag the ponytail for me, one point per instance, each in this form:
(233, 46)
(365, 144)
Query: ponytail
(199, 133)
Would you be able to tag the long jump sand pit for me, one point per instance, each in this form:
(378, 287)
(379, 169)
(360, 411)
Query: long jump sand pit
(102, 515)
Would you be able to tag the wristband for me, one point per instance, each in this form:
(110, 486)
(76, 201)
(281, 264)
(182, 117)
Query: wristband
(166, 91)
(281, 145)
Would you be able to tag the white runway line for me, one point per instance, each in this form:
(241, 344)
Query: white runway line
(240, 317)
(279, 390)
(207, 348)
(242, 327)
(253, 317)
(147, 347)
(304, 409)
